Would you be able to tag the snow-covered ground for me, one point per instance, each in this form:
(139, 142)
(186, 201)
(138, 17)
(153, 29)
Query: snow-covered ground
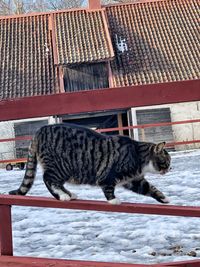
(115, 237)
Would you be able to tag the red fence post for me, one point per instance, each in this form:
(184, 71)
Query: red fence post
(6, 247)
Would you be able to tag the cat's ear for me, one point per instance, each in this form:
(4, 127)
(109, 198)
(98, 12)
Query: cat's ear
(159, 147)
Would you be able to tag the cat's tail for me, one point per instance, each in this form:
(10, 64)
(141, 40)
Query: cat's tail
(30, 173)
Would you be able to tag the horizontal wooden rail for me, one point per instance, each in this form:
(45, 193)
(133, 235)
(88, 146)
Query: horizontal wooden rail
(191, 263)
(18, 138)
(170, 144)
(150, 125)
(142, 126)
(13, 160)
(172, 210)
(41, 262)
(6, 201)
(100, 100)
(6, 261)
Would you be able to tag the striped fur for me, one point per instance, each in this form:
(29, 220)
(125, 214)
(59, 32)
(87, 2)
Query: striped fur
(75, 154)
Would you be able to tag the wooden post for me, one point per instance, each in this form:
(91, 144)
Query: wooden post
(143, 135)
(120, 124)
(6, 247)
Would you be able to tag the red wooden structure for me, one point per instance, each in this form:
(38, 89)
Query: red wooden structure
(171, 144)
(6, 248)
(89, 101)
(99, 100)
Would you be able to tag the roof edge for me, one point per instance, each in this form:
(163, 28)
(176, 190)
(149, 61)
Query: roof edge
(34, 14)
(133, 3)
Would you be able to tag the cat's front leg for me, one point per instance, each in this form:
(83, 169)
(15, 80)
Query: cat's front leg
(157, 194)
(143, 187)
(109, 194)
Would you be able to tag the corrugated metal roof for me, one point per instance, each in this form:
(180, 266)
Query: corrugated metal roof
(155, 41)
(82, 36)
(26, 58)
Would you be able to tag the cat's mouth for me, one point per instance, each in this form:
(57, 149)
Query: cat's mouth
(162, 172)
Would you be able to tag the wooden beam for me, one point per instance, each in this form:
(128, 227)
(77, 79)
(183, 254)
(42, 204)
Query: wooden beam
(120, 124)
(189, 263)
(5, 231)
(100, 100)
(41, 262)
(172, 210)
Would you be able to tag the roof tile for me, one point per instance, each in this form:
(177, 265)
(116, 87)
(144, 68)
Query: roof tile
(82, 36)
(155, 41)
(26, 60)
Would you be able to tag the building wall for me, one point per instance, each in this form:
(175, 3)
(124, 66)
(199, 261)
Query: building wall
(186, 132)
(180, 112)
(8, 149)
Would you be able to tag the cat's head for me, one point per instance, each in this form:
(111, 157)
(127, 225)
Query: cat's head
(160, 158)
(159, 161)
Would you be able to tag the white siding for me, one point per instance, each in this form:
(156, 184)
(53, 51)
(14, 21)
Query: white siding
(183, 132)
(6, 148)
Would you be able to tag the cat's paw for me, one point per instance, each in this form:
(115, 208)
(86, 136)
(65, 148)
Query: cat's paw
(64, 197)
(165, 200)
(114, 201)
(73, 196)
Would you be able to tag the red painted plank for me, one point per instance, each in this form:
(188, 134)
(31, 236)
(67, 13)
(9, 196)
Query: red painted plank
(41, 262)
(149, 125)
(5, 231)
(13, 160)
(25, 137)
(100, 206)
(182, 143)
(171, 144)
(191, 263)
(100, 100)
(143, 126)
(6, 261)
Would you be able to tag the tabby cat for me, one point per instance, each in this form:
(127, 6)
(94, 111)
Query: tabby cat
(75, 154)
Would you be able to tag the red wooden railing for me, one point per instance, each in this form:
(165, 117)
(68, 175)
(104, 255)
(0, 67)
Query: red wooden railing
(88, 102)
(99, 100)
(143, 126)
(6, 247)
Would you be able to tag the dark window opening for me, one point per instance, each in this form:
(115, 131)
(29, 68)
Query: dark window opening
(101, 122)
(86, 77)
(22, 129)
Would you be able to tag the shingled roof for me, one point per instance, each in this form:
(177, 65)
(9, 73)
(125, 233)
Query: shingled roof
(26, 57)
(155, 41)
(146, 42)
(82, 36)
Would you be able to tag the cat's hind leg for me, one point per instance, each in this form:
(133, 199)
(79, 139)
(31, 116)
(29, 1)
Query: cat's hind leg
(109, 194)
(56, 187)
